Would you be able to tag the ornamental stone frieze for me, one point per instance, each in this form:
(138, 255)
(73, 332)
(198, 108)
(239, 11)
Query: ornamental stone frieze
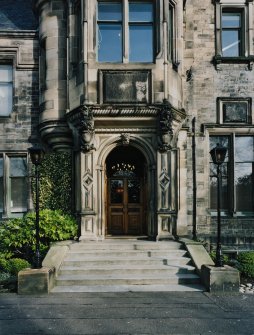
(83, 122)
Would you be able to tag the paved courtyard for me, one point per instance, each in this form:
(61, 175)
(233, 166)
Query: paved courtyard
(127, 313)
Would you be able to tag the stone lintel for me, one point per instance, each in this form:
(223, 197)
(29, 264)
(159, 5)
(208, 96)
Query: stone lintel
(36, 281)
(220, 279)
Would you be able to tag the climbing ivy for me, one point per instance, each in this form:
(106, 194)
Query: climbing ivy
(55, 182)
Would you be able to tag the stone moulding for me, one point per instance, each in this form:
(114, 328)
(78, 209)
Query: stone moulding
(167, 122)
(56, 134)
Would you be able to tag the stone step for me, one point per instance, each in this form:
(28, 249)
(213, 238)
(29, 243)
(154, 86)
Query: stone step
(126, 265)
(128, 288)
(79, 280)
(84, 254)
(125, 261)
(135, 270)
(126, 245)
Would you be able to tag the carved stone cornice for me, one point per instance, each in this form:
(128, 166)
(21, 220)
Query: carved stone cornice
(124, 111)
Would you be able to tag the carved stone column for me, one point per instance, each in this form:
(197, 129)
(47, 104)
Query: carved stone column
(166, 173)
(82, 123)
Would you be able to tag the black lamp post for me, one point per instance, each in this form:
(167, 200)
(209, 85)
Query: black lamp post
(37, 155)
(218, 155)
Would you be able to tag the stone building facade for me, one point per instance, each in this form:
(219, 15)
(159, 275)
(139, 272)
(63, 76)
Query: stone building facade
(19, 103)
(140, 92)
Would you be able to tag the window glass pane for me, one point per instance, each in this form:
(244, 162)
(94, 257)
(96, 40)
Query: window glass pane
(108, 11)
(214, 186)
(170, 33)
(6, 73)
(5, 99)
(18, 173)
(244, 149)
(18, 167)
(134, 191)
(231, 20)
(140, 12)
(141, 43)
(110, 43)
(116, 191)
(230, 43)
(244, 186)
(18, 194)
(222, 140)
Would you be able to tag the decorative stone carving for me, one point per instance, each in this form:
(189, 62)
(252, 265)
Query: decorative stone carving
(164, 180)
(165, 128)
(125, 138)
(82, 120)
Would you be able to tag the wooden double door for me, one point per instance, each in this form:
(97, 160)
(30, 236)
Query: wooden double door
(125, 205)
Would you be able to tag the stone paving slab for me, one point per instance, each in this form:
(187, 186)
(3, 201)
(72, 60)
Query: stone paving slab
(127, 313)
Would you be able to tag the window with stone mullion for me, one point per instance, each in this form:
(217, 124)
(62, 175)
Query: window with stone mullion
(125, 31)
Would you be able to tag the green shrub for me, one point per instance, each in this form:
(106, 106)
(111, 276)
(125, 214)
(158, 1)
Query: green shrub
(13, 265)
(225, 258)
(3, 265)
(246, 263)
(17, 236)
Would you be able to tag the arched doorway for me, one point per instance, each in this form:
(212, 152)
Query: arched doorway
(126, 192)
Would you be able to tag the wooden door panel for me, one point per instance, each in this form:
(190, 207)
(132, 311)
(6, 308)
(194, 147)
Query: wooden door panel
(116, 224)
(134, 222)
(125, 206)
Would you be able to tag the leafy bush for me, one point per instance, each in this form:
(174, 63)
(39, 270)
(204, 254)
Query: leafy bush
(13, 265)
(17, 236)
(246, 263)
(55, 182)
(225, 258)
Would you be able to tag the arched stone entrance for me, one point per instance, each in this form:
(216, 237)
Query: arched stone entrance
(126, 204)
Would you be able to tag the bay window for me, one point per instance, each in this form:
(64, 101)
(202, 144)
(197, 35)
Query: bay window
(237, 174)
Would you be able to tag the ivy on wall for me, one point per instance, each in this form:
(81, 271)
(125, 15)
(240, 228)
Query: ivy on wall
(56, 182)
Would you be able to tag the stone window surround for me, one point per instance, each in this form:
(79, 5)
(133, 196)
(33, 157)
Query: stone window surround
(247, 8)
(6, 211)
(222, 100)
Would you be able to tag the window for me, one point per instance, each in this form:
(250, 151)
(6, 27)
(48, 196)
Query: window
(237, 174)
(6, 90)
(231, 33)
(234, 110)
(78, 32)
(234, 27)
(13, 184)
(172, 27)
(125, 35)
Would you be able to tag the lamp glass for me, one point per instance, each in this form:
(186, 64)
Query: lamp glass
(36, 155)
(218, 154)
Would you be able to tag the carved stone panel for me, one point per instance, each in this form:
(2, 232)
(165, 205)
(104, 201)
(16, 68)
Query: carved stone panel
(125, 87)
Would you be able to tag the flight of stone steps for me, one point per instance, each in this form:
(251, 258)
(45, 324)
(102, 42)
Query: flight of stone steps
(123, 265)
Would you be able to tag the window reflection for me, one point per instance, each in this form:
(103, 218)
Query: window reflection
(116, 191)
(236, 173)
(134, 191)
(18, 186)
(231, 34)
